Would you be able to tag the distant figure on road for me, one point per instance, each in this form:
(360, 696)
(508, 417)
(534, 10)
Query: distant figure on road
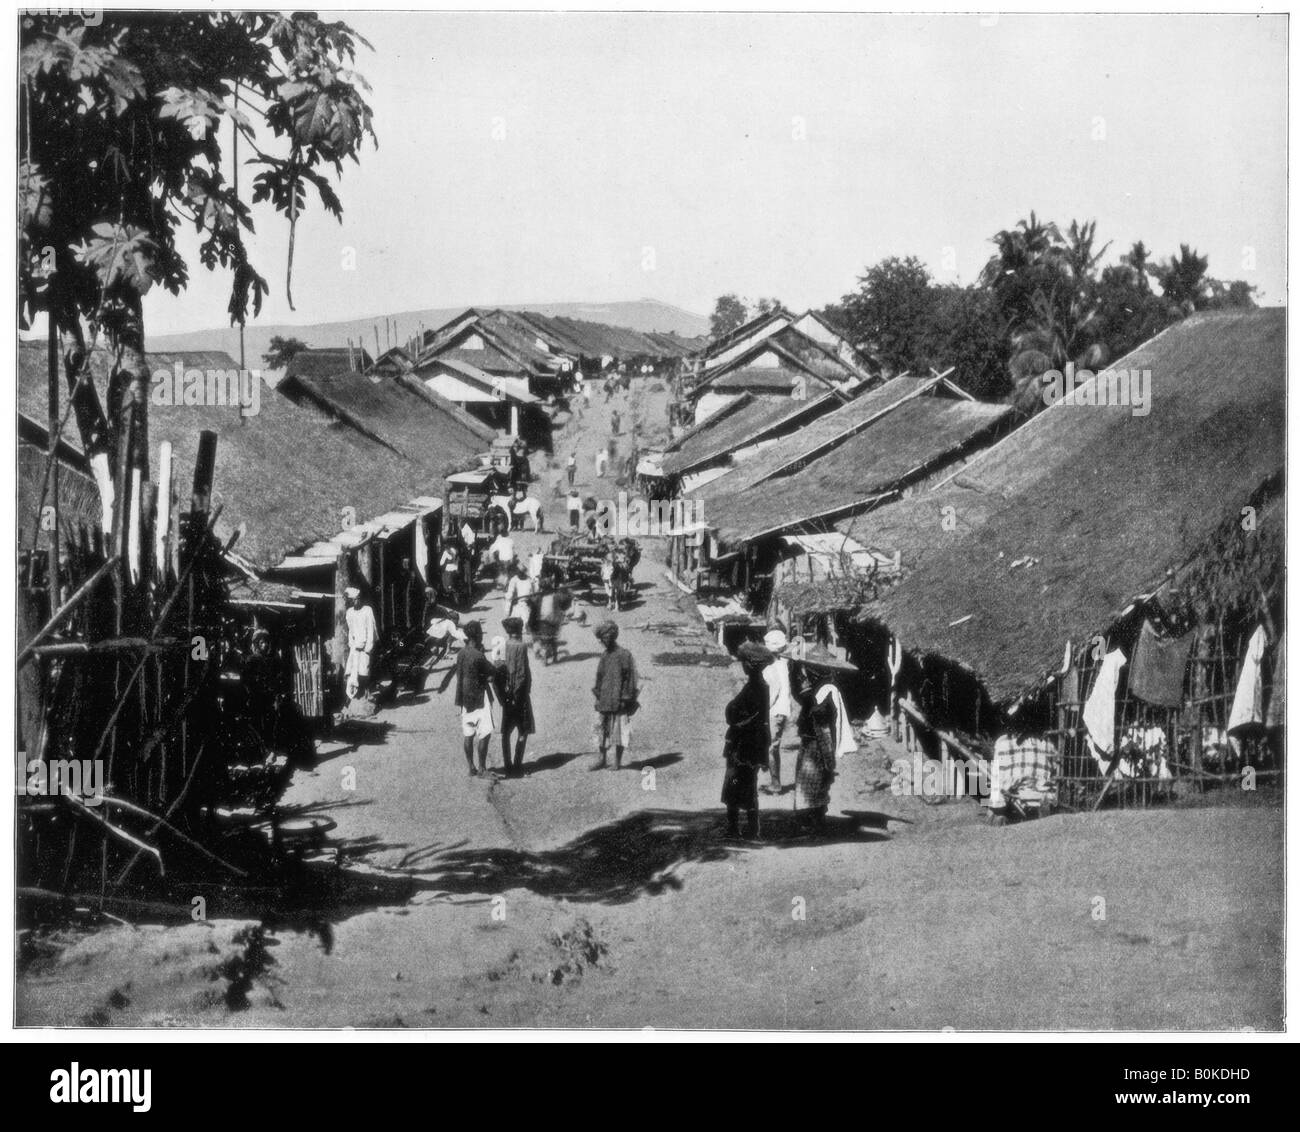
(515, 686)
(449, 568)
(503, 550)
(575, 509)
(602, 463)
(363, 635)
(572, 466)
(616, 696)
(474, 675)
(613, 423)
(518, 590)
(748, 738)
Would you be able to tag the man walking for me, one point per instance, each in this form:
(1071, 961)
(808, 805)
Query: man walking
(474, 675)
(573, 466)
(515, 681)
(616, 696)
(519, 589)
(575, 509)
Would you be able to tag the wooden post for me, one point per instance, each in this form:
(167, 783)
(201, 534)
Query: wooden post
(53, 458)
(340, 643)
(162, 525)
(205, 466)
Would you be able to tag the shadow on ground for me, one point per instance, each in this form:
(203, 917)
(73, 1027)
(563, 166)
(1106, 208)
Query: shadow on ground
(637, 855)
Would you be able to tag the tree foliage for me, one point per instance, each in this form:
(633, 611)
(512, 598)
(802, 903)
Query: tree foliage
(729, 313)
(123, 131)
(283, 350)
(1043, 301)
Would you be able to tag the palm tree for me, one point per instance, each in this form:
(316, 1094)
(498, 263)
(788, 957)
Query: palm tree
(1183, 280)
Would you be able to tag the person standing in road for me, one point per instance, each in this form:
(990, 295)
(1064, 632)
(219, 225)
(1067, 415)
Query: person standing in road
(616, 696)
(747, 741)
(474, 675)
(515, 685)
(777, 677)
(572, 466)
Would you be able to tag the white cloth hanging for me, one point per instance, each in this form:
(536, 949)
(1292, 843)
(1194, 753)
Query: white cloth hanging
(845, 743)
(1248, 703)
(1099, 711)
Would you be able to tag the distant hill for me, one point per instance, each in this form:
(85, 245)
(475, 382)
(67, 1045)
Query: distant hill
(644, 315)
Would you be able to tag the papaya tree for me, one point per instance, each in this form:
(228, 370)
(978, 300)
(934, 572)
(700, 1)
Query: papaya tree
(129, 125)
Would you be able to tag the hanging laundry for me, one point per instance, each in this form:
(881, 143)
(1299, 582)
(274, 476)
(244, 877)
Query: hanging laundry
(1248, 703)
(1277, 698)
(1099, 711)
(1070, 688)
(1159, 667)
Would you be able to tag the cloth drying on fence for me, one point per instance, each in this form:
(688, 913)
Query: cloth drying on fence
(1071, 688)
(1277, 699)
(1248, 703)
(845, 744)
(1019, 763)
(1099, 711)
(1159, 667)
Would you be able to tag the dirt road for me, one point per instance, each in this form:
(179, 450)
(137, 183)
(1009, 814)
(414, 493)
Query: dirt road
(573, 897)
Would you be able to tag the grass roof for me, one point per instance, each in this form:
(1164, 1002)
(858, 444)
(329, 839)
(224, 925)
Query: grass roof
(287, 476)
(823, 430)
(1100, 501)
(902, 445)
(400, 413)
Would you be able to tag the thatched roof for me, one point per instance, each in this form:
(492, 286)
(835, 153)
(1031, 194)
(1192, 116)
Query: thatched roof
(861, 412)
(322, 361)
(901, 446)
(78, 498)
(746, 420)
(398, 412)
(597, 339)
(285, 476)
(1100, 501)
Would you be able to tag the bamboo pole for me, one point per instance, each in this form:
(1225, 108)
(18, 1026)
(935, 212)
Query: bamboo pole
(162, 527)
(67, 607)
(132, 808)
(121, 835)
(52, 456)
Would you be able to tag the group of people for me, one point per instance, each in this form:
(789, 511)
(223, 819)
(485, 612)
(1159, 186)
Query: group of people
(777, 679)
(504, 678)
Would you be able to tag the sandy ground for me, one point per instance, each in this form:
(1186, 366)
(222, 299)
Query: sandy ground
(572, 897)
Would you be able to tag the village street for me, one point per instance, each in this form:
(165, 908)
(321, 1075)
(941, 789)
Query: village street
(571, 897)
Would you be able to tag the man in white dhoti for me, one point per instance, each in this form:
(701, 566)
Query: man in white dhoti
(363, 635)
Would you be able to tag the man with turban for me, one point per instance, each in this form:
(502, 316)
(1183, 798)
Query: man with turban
(777, 677)
(616, 696)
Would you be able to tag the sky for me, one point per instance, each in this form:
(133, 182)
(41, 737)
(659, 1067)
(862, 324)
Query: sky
(536, 157)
